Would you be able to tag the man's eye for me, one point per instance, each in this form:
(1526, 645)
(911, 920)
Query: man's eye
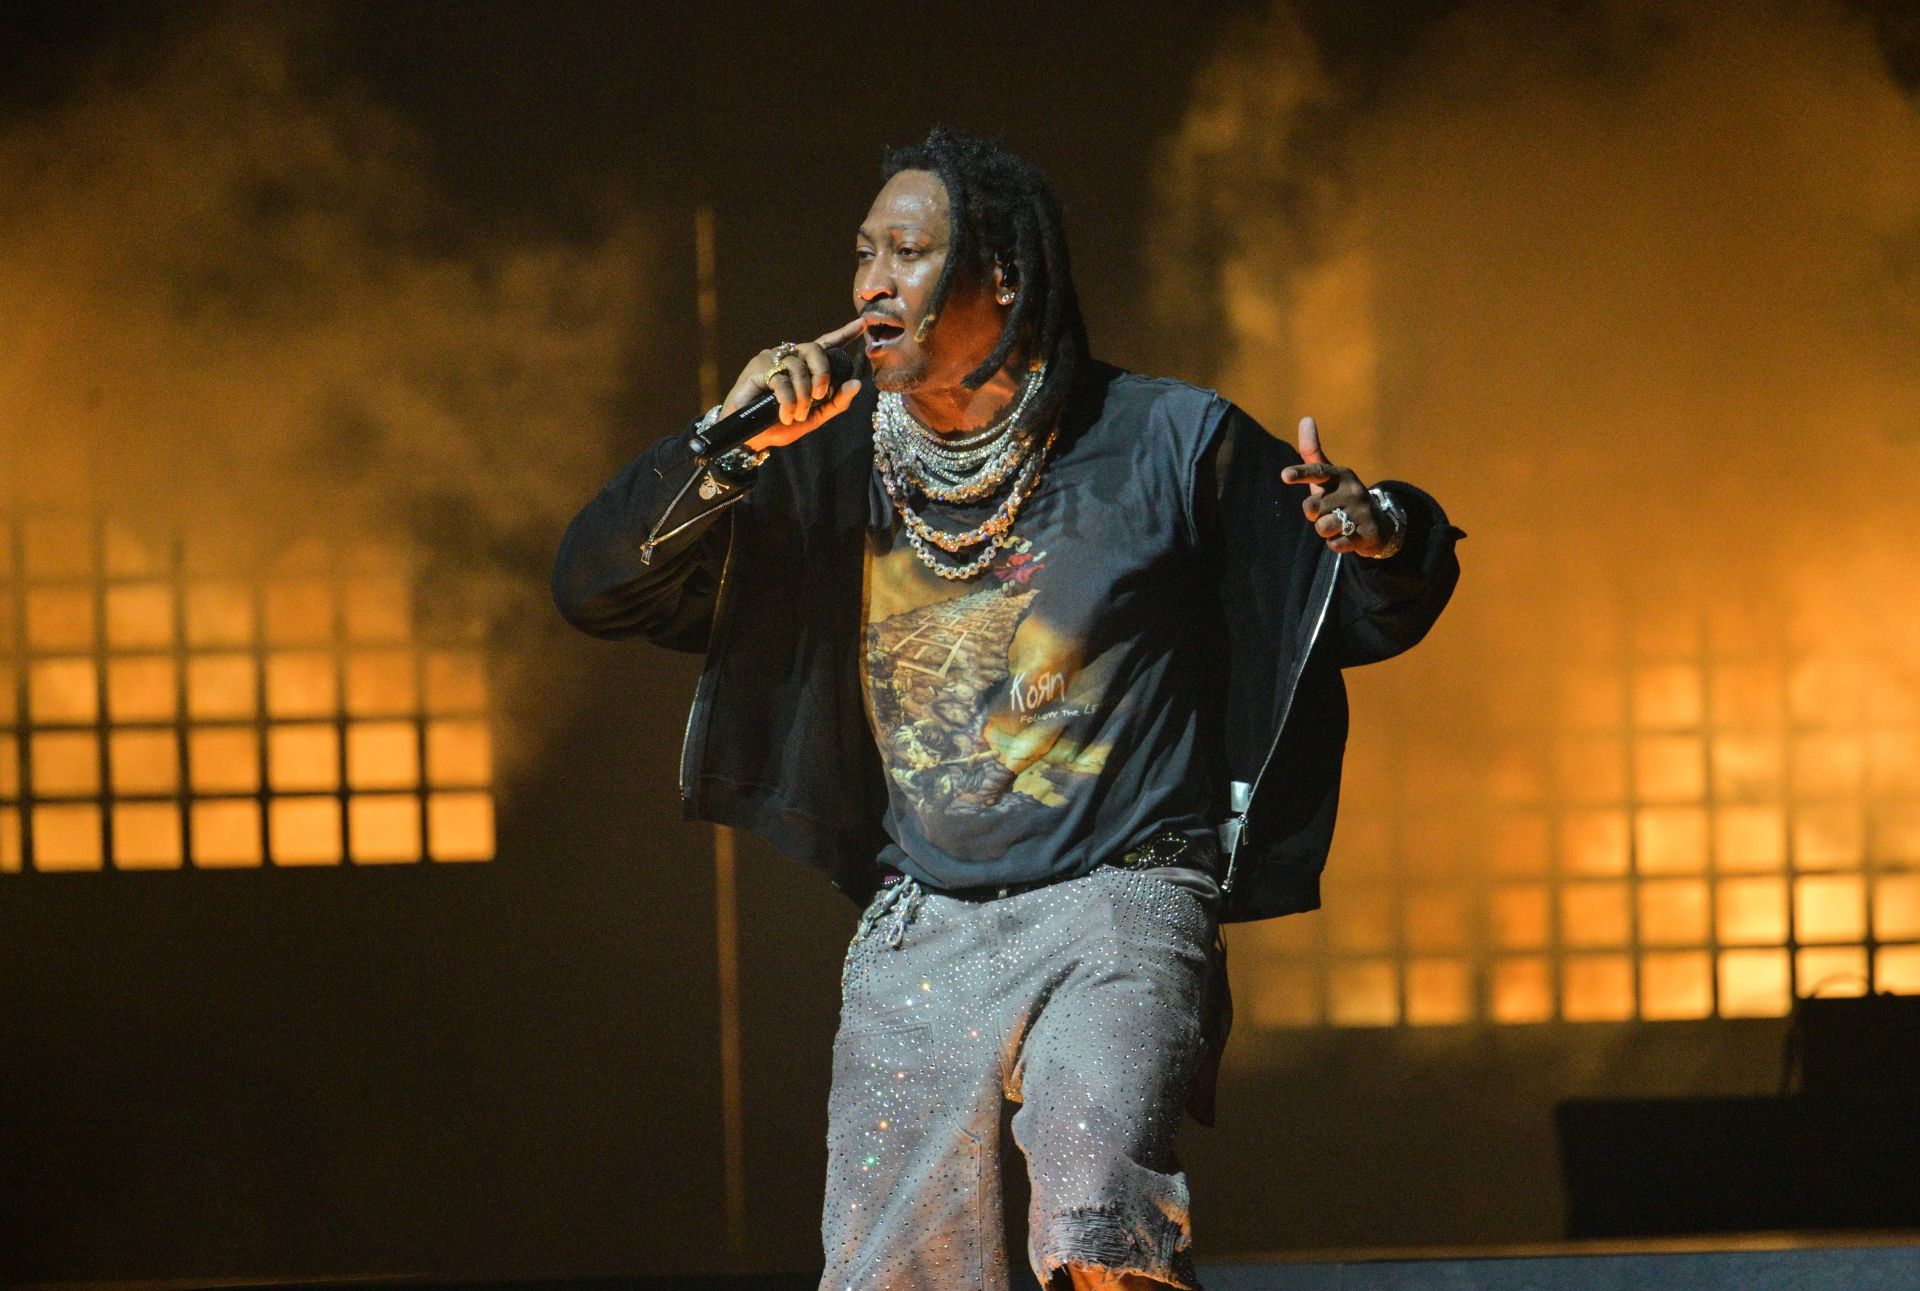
(909, 253)
(863, 253)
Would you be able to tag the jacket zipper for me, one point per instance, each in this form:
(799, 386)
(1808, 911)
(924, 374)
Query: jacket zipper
(704, 684)
(1294, 673)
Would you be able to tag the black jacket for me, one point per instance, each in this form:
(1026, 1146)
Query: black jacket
(765, 579)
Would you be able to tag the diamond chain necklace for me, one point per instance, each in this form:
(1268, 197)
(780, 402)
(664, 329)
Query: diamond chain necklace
(909, 457)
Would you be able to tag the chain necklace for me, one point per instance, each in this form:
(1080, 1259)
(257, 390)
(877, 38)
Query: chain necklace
(955, 470)
(982, 462)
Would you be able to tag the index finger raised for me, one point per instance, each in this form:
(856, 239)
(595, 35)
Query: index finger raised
(844, 333)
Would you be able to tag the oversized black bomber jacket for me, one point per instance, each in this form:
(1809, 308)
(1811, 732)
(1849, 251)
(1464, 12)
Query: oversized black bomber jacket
(765, 579)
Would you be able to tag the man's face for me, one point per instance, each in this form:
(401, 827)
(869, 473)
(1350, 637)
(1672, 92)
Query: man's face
(901, 249)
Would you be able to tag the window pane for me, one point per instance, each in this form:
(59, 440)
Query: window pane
(1522, 990)
(60, 618)
(65, 764)
(1676, 985)
(301, 684)
(1596, 988)
(305, 757)
(299, 611)
(1752, 911)
(144, 762)
(1753, 984)
(305, 831)
(460, 826)
(225, 759)
(140, 616)
(1830, 909)
(63, 690)
(380, 683)
(378, 609)
(226, 833)
(459, 753)
(219, 614)
(66, 837)
(384, 827)
(1363, 993)
(222, 685)
(146, 836)
(1439, 992)
(143, 689)
(383, 755)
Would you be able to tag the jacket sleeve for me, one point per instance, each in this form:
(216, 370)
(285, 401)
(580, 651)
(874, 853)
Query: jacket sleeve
(1382, 607)
(645, 557)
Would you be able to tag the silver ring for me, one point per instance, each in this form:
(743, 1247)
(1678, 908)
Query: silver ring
(1347, 527)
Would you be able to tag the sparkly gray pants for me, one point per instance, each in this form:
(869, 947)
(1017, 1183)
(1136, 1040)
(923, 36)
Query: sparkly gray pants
(1081, 1001)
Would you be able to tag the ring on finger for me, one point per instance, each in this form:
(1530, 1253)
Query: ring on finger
(781, 353)
(1347, 527)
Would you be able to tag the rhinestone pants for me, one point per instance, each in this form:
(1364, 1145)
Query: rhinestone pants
(1081, 1002)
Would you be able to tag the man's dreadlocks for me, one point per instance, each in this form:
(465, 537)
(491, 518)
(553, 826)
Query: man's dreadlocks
(1003, 211)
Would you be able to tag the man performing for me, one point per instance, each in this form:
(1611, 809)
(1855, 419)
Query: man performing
(1039, 661)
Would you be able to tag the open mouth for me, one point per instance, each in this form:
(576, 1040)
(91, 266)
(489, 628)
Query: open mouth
(880, 335)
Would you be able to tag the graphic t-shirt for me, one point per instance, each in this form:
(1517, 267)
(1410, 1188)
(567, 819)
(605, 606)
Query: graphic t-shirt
(1044, 716)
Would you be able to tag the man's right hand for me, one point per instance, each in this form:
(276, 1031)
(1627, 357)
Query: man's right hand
(803, 383)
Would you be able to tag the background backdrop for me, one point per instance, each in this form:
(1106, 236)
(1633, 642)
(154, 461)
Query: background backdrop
(347, 923)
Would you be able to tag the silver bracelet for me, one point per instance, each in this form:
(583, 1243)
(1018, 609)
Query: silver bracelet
(1396, 521)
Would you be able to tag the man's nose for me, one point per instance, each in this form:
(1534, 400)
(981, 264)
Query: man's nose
(872, 281)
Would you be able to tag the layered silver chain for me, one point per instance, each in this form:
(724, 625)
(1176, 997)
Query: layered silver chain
(910, 457)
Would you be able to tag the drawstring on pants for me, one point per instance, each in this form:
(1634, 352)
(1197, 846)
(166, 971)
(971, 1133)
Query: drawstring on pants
(897, 903)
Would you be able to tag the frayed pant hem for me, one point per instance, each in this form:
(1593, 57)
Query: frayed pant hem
(1100, 1239)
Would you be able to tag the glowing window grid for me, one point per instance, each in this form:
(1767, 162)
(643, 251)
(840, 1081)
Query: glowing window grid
(1699, 822)
(158, 712)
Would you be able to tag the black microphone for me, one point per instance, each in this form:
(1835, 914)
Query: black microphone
(742, 424)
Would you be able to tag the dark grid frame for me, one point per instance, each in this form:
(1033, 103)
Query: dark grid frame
(1430, 835)
(446, 717)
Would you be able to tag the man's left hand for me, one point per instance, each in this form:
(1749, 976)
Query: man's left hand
(1333, 492)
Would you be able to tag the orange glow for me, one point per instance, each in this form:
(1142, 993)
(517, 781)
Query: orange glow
(1896, 907)
(1830, 909)
(303, 758)
(380, 683)
(1284, 995)
(456, 682)
(1522, 990)
(1751, 911)
(1829, 837)
(1753, 983)
(142, 689)
(140, 616)
(144, 762)
(1594, 914)
(1671, 768)
(1596, 988)
(1520, 917)
(1361, 921)
(62, 690)
(222, 686)
(299, 612)
(146, 836)
(1439, 992)
(65, 764)
(301, 684)
(9, 840)
(459, 754)
(1520, 845)
(1667, 696)
(225, 759)
(1594, 842)
(1671, 840)
(219, 614)
(1436, 920)
(1363, 993)
(1831, 971)
(57, 546)
(1676, 985)
(1591, 770)
(1750, 838)
(66, 837)
(378, 609)
(1674, 913)
(460, 826)
(384, 827)
(304, 831)
(383, 755)
(9, 767)
(226, 833)
(60, 618)
(1747, 696)
(1897, 968)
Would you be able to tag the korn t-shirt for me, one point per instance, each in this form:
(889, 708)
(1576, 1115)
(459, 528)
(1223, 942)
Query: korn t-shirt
(1044, 716)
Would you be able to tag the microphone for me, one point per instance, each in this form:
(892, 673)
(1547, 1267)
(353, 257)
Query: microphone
(743, 423)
